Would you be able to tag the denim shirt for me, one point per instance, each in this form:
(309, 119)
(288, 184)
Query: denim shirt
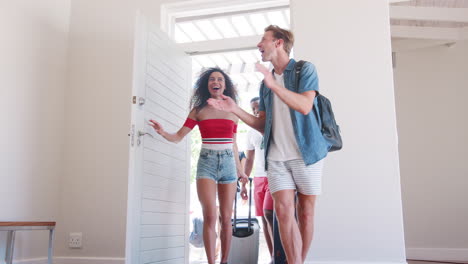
(311, 143)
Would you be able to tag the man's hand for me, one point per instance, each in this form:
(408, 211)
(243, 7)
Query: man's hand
(268, 78)
(243, 178)
(243, 193)
(226, 104)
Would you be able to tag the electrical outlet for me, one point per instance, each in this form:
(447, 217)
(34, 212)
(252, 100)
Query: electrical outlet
(75, 240)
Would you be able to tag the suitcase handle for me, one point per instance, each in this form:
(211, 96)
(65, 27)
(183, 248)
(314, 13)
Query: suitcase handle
(250, 208)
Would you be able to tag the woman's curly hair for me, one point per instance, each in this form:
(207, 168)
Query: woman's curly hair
(201, 93)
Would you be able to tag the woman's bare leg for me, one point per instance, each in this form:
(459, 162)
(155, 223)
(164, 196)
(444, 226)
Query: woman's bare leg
(206, 190)
(226, 194)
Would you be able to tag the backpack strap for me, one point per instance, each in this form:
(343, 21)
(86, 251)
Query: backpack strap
(298, 69)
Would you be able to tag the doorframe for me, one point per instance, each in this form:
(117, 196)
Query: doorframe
(135, 153)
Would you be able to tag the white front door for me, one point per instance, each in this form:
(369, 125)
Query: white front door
(159, 171)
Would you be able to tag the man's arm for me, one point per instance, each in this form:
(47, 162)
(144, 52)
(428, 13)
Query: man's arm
(257, 123)
(240, 170)
(300, 102)
(228, 105)
(250, 157)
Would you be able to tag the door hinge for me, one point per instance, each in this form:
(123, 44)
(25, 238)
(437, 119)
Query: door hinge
(141, 100)
(132, 135)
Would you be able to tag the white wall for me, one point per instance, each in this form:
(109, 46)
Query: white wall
(431, 90)
(359, 217)
(33, 70)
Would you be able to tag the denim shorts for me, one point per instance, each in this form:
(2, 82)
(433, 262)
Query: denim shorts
(217, 165)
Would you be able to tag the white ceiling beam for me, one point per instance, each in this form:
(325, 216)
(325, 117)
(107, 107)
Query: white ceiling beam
(221, 45)
(201, 31)
(426, 33)
(229, 19)
(183, 32)
(267, 19)
(443, 35)
(249, 21)
(429, 13)
(230, 14)
(414, 44)
(215, 27)
(210, 7)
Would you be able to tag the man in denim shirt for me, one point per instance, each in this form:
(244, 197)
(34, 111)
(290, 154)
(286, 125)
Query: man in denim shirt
(294, 145)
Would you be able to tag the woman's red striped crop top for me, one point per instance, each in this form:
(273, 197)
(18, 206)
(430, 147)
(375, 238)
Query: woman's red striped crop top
(214, 131)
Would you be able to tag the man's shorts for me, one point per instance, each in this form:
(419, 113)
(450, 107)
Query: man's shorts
(217, 165)
(295, 175)
(262, 196)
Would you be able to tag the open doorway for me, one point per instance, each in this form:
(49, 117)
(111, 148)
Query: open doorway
(225, 37)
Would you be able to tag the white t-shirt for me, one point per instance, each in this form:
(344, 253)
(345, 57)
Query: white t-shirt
(283, 146)
(254, 142)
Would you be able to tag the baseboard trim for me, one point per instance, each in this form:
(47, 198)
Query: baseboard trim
(83, 260)
(72, 260)
(354, 262)
(30, 261)
(80, 260)
(438, 254)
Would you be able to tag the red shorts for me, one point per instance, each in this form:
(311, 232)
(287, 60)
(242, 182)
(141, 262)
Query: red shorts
(262, 196)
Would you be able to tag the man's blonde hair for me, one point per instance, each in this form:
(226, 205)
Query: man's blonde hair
(284, 34)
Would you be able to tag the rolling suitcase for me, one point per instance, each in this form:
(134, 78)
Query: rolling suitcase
(245, 237)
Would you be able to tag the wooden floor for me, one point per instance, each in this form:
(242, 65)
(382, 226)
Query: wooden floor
(198, 256)
(409, 262)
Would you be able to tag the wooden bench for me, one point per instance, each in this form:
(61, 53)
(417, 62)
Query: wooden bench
(12, 227)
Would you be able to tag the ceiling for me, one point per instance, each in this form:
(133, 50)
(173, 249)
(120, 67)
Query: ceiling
(228, 39)
(423, 23)
(229, 25)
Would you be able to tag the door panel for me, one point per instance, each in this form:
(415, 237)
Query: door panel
(159, 185)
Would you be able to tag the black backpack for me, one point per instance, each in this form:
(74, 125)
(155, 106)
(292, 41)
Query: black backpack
(330, 130)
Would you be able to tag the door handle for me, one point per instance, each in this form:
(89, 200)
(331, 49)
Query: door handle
(141, 133)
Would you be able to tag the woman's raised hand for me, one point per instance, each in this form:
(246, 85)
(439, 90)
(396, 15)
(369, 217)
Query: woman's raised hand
(226, 104)
(157, 127)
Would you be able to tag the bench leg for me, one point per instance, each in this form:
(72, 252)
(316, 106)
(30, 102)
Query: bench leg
(51, 245)
(10, 247)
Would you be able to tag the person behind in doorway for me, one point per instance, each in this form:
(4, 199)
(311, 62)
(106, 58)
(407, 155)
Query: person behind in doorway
(218, 167)
(263, 200)
(294, 145)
